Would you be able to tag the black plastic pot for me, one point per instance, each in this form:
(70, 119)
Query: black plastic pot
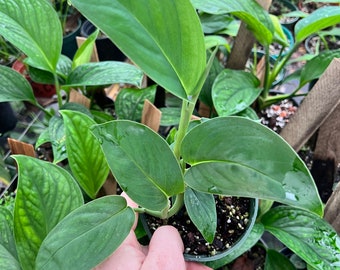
(237, 244)
(70, 46)
(289, 23)
(8, 119)
(106, 49)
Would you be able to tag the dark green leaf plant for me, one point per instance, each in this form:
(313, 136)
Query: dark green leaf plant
(232, 156)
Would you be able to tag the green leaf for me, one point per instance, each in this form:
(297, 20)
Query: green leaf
(254, 236)
(83, 54)
(201, 209)
(277, 261)
(249, 11)
(321, 18)
(234, 90)
(14, 87)
(239, 157)
(7, 241)
(170, 116)
(314, 68)
(46, 194)
(306, 234)
(104, 73)
(57, 139)
(212, 41)
(7, 261)
(86, 159)
(87, 236)
(34, 28)
(171, 52)
(129, 103)
(141, 162)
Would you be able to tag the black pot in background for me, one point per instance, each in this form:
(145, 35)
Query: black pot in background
(8, 119)
(70, 46)
(105, 48)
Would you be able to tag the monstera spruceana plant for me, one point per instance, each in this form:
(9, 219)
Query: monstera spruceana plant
(224, 156)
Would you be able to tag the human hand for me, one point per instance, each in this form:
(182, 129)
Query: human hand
(165, 251)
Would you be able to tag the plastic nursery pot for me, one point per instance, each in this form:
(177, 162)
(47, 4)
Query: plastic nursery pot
(70, 46)
(252, 214)
(314, 44)
(280, 7)
(40, 90)
(106, 49)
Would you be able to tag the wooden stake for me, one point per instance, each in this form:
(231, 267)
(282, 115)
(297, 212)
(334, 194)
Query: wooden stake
(151, 116)
(21, 148)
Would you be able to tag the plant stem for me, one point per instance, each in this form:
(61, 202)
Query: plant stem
(186, 113)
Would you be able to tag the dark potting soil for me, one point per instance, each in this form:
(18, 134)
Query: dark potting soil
(232, 220)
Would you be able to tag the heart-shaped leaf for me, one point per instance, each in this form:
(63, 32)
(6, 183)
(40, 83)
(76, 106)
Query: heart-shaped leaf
(86, 159)
(130, 102)
(257, 19)
(201, 209)
(164, 38)
(87, 236)
(104, 73)
(234, 90)
(46, 194)
(37, 33)
(321, 18)
(14, 87)
(142, 163)
(239, 157)
(306, 234)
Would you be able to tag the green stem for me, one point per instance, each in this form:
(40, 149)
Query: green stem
(57, 89)
(186, 113)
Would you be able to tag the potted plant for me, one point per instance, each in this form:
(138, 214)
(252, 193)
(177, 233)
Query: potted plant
(228, 82)
(231, 156)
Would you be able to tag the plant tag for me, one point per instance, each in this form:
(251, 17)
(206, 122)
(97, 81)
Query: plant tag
(151, 116)
(21, 148)
(79, 98)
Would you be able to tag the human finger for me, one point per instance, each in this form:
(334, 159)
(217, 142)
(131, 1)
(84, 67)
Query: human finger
(165, 250)
(132, 204)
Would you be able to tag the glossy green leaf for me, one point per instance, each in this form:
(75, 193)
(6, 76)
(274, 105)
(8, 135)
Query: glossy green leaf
(7, 261)
(212, 41)
(321, 18)
(250, 113)
(14, 87)
(276, 260)
(142, 163)
(34, 28)
(254, 236)
(201, 209)
(87, 236)
(129, 102)
(57, 139)
(240, 157)
(306, 234)
(6, 233)
(86, 159)
(314, 68)
(46, 194)
(171, 51)
(249, 11)
(83, 54)
(234, 90)
(215, 23)
(104, 73)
